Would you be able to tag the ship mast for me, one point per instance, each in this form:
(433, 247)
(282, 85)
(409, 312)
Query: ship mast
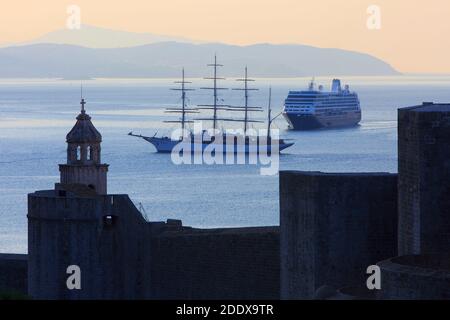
(183, 110)
(269, 112)
(215, 65)
(269, 115)
(183, 99)
(215, 106)
(246, 108)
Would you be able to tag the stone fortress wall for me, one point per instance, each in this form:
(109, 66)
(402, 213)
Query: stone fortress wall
(229, 263)
(13, 274)
(122, 256)
(333, 226)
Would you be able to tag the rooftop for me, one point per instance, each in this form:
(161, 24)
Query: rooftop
(83, 131)
(430, 107)
(336, 174)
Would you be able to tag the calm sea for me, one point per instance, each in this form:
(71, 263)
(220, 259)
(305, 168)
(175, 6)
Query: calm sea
(35, 116)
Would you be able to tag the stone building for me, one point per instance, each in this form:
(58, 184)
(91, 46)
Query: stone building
(78, 224)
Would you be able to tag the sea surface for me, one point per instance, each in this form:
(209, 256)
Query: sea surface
(35, 116)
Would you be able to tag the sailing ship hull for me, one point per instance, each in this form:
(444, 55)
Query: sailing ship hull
(166, 145)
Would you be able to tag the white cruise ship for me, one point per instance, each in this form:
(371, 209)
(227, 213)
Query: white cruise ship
(315, 108)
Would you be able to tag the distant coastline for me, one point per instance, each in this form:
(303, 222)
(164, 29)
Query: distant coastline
(165, 60)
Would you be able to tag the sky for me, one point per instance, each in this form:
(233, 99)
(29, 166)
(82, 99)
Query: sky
(411, 35)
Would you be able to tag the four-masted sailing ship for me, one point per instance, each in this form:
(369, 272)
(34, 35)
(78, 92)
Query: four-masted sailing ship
(243, 142)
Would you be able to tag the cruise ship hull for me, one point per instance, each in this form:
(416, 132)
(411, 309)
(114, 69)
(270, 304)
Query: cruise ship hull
(298, 121)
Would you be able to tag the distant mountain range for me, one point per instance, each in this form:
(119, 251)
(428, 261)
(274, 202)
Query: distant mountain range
(96, 37)
(96, 53)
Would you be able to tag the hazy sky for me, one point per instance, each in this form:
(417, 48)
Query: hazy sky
(414, 34)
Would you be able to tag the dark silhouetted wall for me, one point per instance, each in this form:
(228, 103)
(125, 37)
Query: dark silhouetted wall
(424, 179)
(235, 263)
(333, 226)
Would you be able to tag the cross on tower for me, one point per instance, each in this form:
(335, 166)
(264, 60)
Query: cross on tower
(83, 103)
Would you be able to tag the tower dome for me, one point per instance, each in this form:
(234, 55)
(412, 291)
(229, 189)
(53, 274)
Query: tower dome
(83, 130)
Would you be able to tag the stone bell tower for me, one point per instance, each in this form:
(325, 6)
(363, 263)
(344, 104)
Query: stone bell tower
(84, 165)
